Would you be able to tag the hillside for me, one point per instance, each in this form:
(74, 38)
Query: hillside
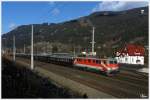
(113, 30)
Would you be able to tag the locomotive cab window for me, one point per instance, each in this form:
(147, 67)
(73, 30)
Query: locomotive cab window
(115, 62)
(97, 62)
(111, 62)
(104, 61)
(93, 61)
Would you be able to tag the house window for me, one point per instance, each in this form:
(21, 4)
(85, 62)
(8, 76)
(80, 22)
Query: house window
(126, 59)
(132, 59)
(137, 61)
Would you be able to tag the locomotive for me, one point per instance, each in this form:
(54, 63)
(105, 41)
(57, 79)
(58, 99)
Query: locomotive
(108, 65)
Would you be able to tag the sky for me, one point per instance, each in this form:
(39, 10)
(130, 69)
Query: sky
(23, 13)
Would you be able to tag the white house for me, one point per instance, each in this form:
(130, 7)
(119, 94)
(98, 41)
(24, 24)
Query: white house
(131, 54)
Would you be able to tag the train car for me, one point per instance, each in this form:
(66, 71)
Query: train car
(61, 59)
(108, 66)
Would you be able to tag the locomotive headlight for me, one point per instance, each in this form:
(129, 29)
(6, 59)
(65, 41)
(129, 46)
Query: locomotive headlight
(108, 68)
(114, 68)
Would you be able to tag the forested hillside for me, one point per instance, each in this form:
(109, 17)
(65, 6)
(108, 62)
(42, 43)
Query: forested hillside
(112, 31)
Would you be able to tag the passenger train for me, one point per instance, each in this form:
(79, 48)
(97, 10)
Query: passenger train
(108, 65)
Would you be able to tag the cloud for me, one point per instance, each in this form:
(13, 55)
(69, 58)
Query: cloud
(12, 25)
(117, 5)
(51, 3)
(55, 11)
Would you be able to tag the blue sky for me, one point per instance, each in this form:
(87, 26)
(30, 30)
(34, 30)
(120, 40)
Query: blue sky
(23, 13)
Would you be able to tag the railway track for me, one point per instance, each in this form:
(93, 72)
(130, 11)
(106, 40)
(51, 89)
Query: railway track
(123, 85)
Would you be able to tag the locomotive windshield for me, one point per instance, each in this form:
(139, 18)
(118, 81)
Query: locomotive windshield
(112, 62)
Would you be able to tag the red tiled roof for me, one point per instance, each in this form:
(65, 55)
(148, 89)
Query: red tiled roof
(132, 50)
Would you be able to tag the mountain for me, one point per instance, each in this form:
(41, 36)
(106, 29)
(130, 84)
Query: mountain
(112, 31)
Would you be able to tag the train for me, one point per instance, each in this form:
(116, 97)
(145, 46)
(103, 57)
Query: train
(109, 66)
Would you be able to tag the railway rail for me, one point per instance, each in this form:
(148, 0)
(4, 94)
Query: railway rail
(126, 84)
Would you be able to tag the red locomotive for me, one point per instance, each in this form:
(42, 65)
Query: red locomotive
(108, 65)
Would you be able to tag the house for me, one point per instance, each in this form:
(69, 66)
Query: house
(131, 54)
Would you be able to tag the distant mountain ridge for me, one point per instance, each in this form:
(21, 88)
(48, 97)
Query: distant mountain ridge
(112, 31)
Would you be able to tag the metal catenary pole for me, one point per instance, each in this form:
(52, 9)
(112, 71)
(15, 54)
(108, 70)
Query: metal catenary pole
(4, 45)
(32, 59)
(24, 50)
(93, 42)
(14, 49)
